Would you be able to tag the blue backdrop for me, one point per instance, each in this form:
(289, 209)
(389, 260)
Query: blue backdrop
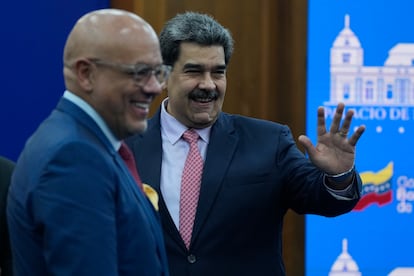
(375, 239)
(33, 34)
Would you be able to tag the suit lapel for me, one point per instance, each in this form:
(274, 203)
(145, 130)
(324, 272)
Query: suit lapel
(149, 157)
(221, 148)
(149, 211)
(149, 160)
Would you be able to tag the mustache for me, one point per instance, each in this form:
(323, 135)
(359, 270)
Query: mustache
(203, 94)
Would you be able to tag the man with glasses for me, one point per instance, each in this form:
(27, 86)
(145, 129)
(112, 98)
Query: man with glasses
(228, 220)
(74, 208)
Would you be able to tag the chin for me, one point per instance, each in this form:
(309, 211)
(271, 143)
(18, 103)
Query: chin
(203, 123)
(140, 128)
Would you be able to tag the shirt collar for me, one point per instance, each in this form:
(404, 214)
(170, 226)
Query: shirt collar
(174, 130)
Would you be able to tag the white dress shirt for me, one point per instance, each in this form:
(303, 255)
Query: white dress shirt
(175, 150)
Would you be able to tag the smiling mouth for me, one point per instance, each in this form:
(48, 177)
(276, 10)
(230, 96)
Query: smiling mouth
(203, 100)
(144, 106)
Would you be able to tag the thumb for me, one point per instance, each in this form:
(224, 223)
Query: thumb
(307, 144)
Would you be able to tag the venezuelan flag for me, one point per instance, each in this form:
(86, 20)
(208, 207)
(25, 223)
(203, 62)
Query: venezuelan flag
(376, 187)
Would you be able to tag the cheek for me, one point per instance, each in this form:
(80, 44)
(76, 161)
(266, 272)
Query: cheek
(114, 99)
(221, 85)
(179, 91)
(222, 90)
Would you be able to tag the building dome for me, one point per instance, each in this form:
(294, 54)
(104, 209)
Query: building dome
(401, 54)
(346, 49)
(344, 264)
(346, 37)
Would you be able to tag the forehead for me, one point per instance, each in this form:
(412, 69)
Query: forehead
(135, 47)
(200, 54)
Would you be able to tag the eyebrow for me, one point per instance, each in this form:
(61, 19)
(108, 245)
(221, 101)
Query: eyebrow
(199, 66)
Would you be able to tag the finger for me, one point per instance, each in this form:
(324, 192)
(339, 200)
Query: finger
(346, 124)
(356, 135)
(337, 118)
(321, 127)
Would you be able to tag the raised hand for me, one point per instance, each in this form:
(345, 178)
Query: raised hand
(334, 152)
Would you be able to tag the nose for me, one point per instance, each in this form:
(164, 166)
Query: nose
(207, 82)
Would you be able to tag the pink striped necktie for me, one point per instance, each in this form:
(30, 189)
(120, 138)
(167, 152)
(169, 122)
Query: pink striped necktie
(129, 160)
(190, 186)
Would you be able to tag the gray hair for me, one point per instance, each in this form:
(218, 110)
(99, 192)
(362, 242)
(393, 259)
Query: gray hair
(197, 28)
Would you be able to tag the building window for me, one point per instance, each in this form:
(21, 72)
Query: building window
(369, 90)
(389, 92)
(346, 91)
(346, 58)
(401, 89)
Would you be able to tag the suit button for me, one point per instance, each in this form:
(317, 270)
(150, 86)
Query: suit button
(191, 259)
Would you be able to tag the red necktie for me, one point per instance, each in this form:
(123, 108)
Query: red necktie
(190, 186)
(129, 160)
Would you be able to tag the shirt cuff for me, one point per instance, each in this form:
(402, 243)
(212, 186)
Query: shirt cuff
(341, 177)
(349, 193)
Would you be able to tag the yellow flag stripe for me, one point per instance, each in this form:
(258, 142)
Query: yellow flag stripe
(380, 177)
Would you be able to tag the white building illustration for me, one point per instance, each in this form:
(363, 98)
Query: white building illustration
(356, 84)
(344, 264)
(402, 271)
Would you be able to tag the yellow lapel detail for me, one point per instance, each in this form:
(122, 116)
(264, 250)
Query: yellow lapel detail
(151, 194)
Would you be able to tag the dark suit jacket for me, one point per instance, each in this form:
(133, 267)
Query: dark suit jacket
(253, 174)
(74, 208)
(6, 169)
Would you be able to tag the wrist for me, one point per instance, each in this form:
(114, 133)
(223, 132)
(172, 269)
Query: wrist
(341, 177)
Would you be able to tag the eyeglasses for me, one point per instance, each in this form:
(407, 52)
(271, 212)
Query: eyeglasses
(140, 72)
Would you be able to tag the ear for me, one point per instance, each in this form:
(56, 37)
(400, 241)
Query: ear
(84, 72)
